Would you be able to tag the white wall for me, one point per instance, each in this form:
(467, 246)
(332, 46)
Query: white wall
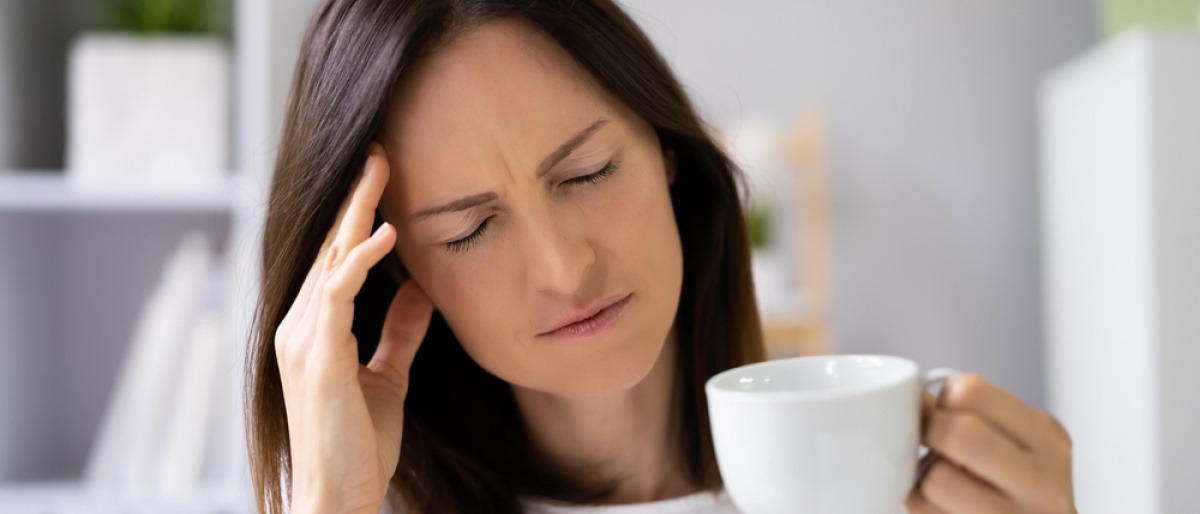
(934, 155)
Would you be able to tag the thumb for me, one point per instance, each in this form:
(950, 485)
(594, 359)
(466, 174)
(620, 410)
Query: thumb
(403, 330)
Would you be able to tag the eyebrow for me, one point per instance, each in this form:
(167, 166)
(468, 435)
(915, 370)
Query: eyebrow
(575, 142)
(461, 204)
(476, 200)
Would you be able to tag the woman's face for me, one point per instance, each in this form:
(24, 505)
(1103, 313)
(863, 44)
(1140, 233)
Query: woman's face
(527, 197)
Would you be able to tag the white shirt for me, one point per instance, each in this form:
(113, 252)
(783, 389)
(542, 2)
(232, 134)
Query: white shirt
(706, 502)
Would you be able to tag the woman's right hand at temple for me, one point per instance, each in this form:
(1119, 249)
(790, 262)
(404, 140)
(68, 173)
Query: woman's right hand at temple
(345, 420)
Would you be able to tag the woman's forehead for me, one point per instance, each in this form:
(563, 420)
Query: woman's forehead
(502, 85)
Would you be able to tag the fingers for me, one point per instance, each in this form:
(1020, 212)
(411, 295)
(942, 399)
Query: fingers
(324, 305)
(1029, 427)
(359, 210)
(341, 286)
(974, 443)
(949, 488)
(917, 503)
(300, 306)
(403, 330)
(998, 452)
(365, 193)
(359, 192)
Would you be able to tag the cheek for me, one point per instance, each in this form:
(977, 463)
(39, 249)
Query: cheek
(454, 283)
(470, 294)
(465, 293)
(639, 225)
(636, 232)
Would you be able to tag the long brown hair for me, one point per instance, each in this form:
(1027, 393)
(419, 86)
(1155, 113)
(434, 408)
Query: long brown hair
(464, 447)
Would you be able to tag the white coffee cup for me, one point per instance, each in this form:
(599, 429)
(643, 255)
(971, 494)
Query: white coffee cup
(835, 434)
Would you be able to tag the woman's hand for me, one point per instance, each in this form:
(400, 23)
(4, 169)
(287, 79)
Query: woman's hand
(345, 420)
(999, 455)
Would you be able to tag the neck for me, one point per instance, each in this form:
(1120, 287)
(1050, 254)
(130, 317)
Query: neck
(626, 440)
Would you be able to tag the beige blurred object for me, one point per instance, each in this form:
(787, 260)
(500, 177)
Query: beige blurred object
(807, 332)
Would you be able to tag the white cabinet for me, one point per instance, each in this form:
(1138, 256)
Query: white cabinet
(1121, 220)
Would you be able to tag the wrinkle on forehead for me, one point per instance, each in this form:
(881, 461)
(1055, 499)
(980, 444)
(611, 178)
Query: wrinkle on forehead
(503, 90)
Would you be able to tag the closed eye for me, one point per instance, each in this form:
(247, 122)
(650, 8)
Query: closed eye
(463, 244)
(593, 178)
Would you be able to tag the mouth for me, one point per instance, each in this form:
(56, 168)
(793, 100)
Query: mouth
(591, 322)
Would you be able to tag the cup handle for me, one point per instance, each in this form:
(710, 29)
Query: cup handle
(932, 381)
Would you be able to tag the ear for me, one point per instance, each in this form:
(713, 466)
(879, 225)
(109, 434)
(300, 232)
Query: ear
(669, 164)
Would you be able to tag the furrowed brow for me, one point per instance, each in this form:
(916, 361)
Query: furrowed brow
(563, 151)
(459, 205)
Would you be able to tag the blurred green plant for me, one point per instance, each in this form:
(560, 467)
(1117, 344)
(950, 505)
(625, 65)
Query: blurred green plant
(758, 221)
(1121, 15)
(191, 16)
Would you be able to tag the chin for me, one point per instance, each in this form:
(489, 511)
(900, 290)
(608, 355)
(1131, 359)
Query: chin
(607, 379)
(592, 374)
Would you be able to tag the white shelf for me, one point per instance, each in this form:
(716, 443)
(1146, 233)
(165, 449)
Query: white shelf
(50, 191)
(74, 497)
(76, 265)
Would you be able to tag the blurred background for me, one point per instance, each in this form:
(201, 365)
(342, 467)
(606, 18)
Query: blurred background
(922, 174)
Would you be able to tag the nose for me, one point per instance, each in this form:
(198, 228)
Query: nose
(558, 255)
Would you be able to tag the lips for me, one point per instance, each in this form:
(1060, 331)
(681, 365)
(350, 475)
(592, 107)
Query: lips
(590, 321)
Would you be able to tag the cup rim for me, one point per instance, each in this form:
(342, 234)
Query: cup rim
(712, 388)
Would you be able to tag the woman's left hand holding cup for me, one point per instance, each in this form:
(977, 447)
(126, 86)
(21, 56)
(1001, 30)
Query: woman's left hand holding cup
(998, 454)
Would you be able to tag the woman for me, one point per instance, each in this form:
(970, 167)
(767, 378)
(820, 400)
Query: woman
(502, 256)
